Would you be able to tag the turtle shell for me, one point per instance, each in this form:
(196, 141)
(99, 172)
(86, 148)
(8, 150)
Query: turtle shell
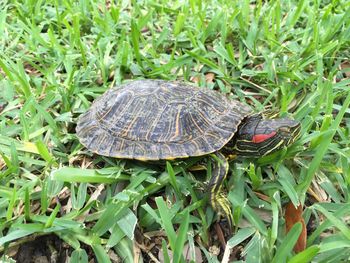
(155, 119)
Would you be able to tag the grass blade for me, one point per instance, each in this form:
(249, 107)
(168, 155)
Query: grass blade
(287, 244)
(181, 238)
(166, 222)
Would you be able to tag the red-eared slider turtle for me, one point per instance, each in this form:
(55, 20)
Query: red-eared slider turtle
(162, 120)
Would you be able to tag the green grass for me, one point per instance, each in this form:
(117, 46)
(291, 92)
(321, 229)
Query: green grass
(287, 56)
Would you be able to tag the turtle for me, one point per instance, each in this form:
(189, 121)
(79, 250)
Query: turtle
(164, 120)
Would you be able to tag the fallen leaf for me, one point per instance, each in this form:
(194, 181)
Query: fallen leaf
(220, 235)
(209, 77)
(345, 67)
(292, 216)
(262, 196)
(195, 79)
(187, 253)
(317, 192)
(108, 4)
(214, 250)
(2, 163)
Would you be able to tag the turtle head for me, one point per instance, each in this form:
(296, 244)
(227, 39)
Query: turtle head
(257, 137)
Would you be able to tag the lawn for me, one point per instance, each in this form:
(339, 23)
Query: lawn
(286, 56)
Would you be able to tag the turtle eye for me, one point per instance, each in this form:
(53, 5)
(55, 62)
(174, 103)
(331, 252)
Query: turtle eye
(284, 129)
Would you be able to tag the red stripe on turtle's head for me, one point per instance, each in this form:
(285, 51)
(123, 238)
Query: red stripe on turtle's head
(257, 138)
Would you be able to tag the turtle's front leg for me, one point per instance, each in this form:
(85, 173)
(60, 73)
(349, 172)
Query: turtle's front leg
(218, 199)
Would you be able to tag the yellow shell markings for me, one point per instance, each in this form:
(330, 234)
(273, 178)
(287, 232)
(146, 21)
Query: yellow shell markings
(177, 124)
